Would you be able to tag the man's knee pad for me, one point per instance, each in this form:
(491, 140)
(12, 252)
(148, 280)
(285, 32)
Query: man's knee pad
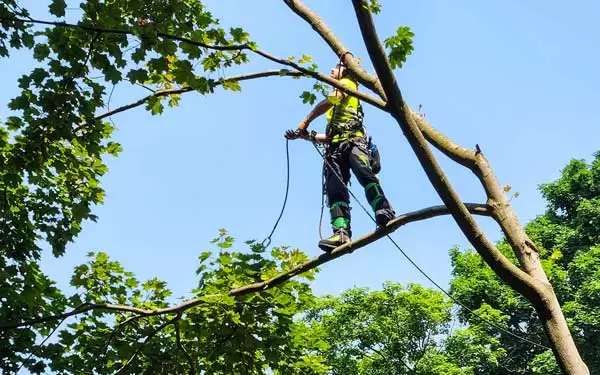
(374, 194)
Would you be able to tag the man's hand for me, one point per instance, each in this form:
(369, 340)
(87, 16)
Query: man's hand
(295, 134)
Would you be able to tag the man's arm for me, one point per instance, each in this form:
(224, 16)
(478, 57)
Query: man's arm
(322, 107)
(319, 110)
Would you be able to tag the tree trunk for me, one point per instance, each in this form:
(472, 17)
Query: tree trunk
(558, 333)
(544, 301)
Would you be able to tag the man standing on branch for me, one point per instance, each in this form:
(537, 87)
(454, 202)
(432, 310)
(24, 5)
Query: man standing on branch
(348, 147)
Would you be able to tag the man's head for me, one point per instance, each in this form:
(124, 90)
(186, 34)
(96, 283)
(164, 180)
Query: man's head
(338, 72)
(341, 70)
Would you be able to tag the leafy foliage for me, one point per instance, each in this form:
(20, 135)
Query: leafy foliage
(400, 46)
(222, 335)
(53, 147)
(400, 330)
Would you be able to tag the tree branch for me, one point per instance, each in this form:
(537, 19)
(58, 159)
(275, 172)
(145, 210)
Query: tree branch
(234, 47)
(161, 93)
(448, 147)
(243, 77)
(368, 80)
(116, 330)
(510, 273)
(393, 225)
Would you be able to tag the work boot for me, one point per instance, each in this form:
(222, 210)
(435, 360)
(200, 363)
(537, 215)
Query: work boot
(383, 216)
(340, 236)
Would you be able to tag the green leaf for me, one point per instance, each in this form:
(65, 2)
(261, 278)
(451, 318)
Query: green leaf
(232, 85)
(14, 123)
(308, 97)
(372, 6)
(239, 35)
(57, 7)
(27, 40)
(155, 106)
(113, 148)
(137, 75)
(305, 59)
(400, 46)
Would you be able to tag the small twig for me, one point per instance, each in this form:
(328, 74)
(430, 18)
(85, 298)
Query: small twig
(146, 87)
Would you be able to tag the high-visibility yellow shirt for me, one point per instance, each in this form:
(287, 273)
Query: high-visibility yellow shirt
(339, 115)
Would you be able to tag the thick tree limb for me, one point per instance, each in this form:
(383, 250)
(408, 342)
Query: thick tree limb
(393, 225)
(515, 277)
(368, 80)
(540, 294)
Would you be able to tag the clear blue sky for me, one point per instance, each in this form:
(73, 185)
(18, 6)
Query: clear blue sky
(518, 78)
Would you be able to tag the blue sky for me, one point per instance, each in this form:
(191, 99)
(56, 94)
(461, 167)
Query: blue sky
(518, 78)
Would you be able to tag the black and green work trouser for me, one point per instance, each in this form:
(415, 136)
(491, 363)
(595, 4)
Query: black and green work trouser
(342, 157)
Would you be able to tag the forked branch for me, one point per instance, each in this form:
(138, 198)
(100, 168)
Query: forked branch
(515, 277)
(454, 151)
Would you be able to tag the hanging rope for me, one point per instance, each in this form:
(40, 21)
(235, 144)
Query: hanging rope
(287, 189)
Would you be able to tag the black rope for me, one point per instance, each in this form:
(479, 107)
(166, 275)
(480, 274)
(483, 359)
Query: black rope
(454, 299)
(287, 189)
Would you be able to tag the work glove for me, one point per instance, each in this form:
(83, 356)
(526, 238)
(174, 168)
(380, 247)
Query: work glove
(295, 134)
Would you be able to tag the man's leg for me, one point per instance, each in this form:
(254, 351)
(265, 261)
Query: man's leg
(338, 200)
(359, 161)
